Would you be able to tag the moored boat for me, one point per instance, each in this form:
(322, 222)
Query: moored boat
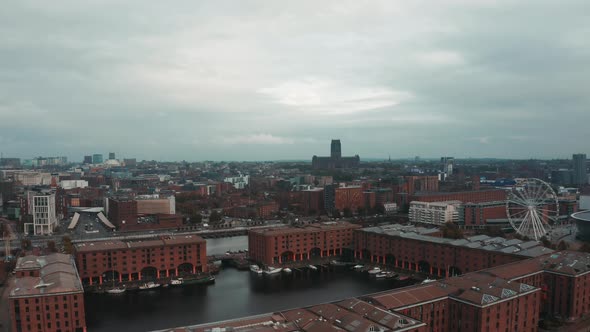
(256, 269)
(209, 279)
(287, 270)
(149, 285)
(116, 290)
(176, 282)
(313, 267)
(271, 270)
(374, 270)
(357, 267)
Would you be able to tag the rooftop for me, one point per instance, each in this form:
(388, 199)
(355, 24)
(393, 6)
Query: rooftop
(484, 242)
(57, 274)
(325, 226)
(146, 242)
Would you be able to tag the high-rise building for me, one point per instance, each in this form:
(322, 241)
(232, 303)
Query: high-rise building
(580, 175)
(131, 162)
(42, 208)
(97, 158)
(112, 155)
(447, 164)
(87, 159)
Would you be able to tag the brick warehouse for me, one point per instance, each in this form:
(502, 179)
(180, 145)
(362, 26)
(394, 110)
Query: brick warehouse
(393, 245)
(47, 295)
(140, 259)
(276, 246)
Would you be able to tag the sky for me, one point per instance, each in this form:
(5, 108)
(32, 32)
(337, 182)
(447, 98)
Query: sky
(274, 80)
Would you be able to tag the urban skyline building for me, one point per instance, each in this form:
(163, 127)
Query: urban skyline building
(335, 160)
(580, 176)
(97, 158)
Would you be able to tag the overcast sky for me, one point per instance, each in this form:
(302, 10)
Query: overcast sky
(269, 80)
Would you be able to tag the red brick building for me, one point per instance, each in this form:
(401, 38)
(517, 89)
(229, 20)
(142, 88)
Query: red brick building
(144, 259)
(477, 214)
(348, 198)
(122, 211)
(312, 201)
(396, 247)
(479, 196)
(280, 245)
(473, 302)
(46, 295)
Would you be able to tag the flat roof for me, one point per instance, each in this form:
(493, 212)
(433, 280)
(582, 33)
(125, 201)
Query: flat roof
(497, 244)
(325, 226)
(140, 243)
(582, 215)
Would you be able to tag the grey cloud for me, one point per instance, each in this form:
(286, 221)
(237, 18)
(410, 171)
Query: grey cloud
(226, 80)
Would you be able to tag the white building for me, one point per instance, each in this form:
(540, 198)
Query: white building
(42, 208)
(239, 182)
(390, 208)
(434, 212)
(71, 184)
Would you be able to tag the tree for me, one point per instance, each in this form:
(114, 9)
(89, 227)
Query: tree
(51, 246)
(585, 247)
(361, 211)
(336, 214)
(67, 242)
(195, 219)
(546, 242)
(214, 217)
(562, 245)
(347, 212)
(25, 244)
(452, 231)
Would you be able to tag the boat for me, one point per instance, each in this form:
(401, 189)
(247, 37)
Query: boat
(403, 278)
(385, 275)
(374, 270)
(338, 263)
(116, 290)
(427, 280)
(149, 285)
(357, 267)
(271, 270)
(256, 269)
(287, 270)
(176, 282)
(313, 267)
(209, 279)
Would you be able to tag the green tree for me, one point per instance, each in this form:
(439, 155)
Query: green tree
(562, 245)
(336, 214)
(585, 247)
(67, 242)
(452, 231)
(25, 244)
(196, 218)
(347, 212)
(51, 246)
(214, 217)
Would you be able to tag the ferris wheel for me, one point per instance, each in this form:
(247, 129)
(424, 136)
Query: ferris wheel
(532, 208)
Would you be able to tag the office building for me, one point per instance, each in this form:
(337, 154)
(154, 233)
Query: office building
(112, 156)
(438, 213)
(97, 158)
(87, 159)
(580, 177)
(41, 205)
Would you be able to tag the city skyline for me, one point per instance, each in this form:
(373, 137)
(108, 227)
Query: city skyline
(269, 81)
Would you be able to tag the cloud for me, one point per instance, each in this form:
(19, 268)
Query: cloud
(262, 139)
(455, 76)
(332, 97)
